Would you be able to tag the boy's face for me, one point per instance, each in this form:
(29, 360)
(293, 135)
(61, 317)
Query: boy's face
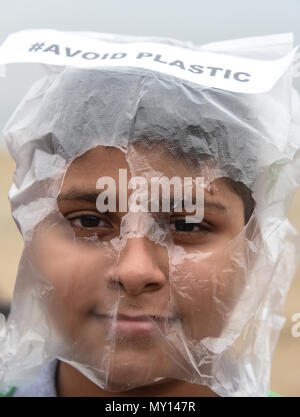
(137, 308)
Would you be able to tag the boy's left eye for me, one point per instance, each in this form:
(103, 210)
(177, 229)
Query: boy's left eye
(182, 226)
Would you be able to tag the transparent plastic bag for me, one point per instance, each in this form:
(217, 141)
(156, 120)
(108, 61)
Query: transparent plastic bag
(185, 276)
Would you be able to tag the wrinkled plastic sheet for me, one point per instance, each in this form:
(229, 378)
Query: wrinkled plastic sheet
(137, 295)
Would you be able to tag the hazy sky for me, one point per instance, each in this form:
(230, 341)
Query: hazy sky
(195, 20)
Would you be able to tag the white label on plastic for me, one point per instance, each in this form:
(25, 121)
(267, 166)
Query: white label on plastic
(209, 69)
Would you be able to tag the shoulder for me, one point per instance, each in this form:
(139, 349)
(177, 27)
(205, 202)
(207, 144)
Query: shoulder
(9, 393)
(43, 386)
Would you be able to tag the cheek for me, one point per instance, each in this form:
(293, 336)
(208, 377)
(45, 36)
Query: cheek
(206, 290)
(74, 269)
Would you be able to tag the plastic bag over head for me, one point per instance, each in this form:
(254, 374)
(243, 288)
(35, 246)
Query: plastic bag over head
(152, 183)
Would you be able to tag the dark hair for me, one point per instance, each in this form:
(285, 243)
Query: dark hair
(178, 147)
(246, 195)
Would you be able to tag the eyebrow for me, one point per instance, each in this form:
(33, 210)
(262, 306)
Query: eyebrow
(91, 197)
(78, 195)
(216, 205)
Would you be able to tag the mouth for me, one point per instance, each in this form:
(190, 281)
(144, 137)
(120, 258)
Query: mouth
(135, 326)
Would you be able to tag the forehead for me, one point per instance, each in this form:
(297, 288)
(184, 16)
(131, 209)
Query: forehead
(138, 160)
(83, 173)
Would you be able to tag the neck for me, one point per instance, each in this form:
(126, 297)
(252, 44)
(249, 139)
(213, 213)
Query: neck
(71, 383)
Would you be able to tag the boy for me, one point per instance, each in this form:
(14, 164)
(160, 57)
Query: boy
(134, 300)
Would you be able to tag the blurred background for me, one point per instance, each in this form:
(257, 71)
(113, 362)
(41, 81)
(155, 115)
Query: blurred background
(194, 20)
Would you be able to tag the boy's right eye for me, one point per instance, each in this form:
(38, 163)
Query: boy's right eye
(87, 221)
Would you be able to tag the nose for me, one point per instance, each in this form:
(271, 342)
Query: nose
(142, 267)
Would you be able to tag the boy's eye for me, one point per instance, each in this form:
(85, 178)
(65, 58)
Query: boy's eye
(88, 221)
(182, 226)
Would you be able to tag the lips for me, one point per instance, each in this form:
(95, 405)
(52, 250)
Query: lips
(134, 326)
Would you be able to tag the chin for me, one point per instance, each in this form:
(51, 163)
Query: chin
(126, 377)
